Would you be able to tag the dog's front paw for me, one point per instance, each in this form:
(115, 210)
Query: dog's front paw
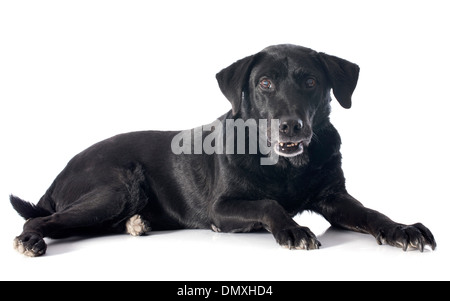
(30, 244)
(297, 238)
(415, 236)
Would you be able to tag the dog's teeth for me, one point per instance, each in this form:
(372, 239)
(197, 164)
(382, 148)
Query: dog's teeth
(289, 144)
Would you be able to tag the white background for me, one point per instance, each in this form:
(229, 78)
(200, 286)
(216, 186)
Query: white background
(75, 72)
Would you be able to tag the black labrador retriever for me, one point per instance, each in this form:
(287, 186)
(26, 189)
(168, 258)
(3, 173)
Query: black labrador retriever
(215, 176)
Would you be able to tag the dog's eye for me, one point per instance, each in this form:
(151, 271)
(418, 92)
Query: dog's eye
(265, 84)
(310, 83)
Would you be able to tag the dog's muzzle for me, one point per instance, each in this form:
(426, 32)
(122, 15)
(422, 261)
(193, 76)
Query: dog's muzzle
(289, 149)
(293, 137)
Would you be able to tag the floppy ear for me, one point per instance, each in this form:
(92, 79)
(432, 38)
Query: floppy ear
(343, 76)
(234, 79)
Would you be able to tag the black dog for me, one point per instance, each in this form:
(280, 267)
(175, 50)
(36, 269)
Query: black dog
(169, 180)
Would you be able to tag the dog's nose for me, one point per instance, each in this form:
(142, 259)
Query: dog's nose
(290, 126)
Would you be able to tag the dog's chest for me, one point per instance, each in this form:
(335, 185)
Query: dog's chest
(291, 191)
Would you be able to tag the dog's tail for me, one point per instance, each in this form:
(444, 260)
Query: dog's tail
(26, 209)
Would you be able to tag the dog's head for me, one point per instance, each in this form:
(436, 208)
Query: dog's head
(291, 84)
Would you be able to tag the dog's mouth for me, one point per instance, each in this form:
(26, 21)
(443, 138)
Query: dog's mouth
(289, 149)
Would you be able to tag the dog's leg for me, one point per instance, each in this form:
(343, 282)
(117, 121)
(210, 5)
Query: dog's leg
(231, 215)
(344, 211)
(103, 209)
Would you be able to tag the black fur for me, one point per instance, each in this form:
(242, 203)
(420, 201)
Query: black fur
(138, 173)
(26, 209)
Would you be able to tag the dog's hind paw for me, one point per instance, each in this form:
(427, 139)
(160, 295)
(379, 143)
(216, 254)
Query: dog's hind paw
(414, 237)
(30, 244)
(137, 226)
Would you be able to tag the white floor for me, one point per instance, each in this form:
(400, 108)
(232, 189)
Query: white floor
(206, 255)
